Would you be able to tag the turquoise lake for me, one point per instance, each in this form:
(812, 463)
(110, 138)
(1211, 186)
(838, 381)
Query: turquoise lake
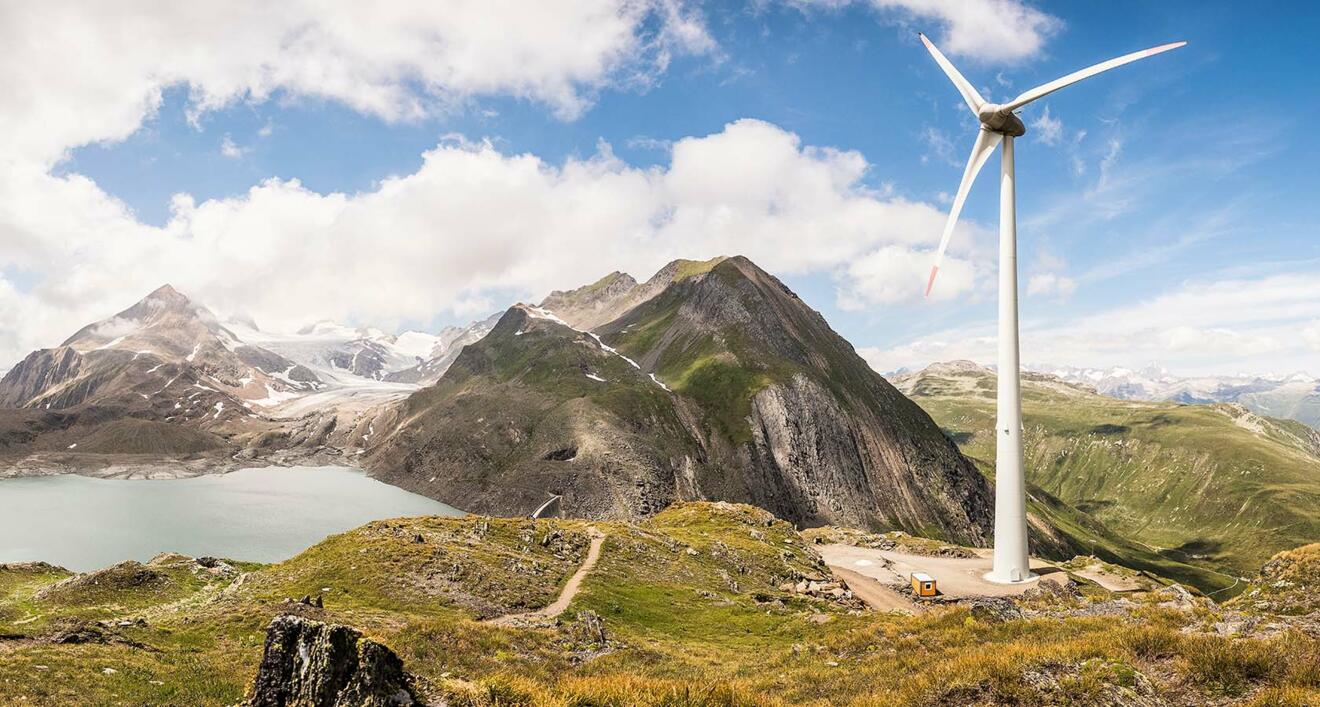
(264, 515)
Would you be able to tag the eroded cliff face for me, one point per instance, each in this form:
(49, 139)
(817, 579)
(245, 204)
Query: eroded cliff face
(41, 370)
(819, 464)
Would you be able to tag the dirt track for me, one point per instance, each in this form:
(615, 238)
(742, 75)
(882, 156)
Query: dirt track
(566, 594)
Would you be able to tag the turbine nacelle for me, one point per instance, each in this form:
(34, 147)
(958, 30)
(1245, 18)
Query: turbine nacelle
(998, 119)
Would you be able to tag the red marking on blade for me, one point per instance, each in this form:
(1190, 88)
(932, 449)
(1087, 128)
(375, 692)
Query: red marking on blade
(931, 282)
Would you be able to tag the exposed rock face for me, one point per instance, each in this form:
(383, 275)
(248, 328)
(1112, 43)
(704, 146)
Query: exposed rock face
(313, 664)
(41, 370)
(719, 385)
(827, 465)
(592, 305)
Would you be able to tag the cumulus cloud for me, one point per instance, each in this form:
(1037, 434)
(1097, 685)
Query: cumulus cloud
(992, 31)
(230, 149)
(895, 274)
(75, 73)
(475, 226)
(1215, 326)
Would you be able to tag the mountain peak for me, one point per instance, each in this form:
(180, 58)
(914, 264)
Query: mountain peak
(682, 269)
(168, 296)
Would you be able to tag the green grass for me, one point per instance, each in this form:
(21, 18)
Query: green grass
(1286, 584)
(692, 268)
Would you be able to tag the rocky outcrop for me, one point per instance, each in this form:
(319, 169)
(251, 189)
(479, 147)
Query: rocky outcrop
(590, 306)
(313, 664)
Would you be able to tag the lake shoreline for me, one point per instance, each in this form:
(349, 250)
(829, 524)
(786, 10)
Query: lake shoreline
(259, 514)
(151, 466)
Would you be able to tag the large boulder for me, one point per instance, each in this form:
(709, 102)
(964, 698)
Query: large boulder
(314, 664)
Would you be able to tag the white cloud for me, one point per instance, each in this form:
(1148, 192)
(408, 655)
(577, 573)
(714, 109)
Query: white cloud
(1218, 326)
(1113, 148)
(470, 229)
(939, 146)
(230, 149)
(75, 73)
(1047, 129)
(993, 31)
(895, 274)
(1311, 335)
(1051, 284)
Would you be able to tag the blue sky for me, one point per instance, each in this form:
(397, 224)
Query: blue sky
(1147, 195)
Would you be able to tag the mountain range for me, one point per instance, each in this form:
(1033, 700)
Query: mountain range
(1295, 396)
(711, 380)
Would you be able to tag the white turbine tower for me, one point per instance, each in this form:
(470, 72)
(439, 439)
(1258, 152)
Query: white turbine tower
(999, 124)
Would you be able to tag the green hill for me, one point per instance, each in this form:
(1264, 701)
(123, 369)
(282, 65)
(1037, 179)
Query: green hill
(1213, 486)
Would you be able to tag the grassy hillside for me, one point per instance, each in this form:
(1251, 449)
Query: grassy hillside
(691, 608)
(1213, 486)
(537, 407)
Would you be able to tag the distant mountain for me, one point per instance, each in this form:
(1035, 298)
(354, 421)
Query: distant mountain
(164, 339)
(334, 350)
(710, 381)
(1215, 485)
(1295, 396)
(150, 378)
(442, 352)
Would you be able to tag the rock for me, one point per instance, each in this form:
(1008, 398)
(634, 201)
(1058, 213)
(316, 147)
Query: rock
(995, 610)
(1048, 589)
(1177, 597)
(78, 631)
(590, 629)
(313, 664)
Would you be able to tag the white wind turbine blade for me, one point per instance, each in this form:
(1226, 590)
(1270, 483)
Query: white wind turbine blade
(1074, 77)
(986, 142)
(969, 94)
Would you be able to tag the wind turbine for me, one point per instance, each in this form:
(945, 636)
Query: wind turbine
(999, 125)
